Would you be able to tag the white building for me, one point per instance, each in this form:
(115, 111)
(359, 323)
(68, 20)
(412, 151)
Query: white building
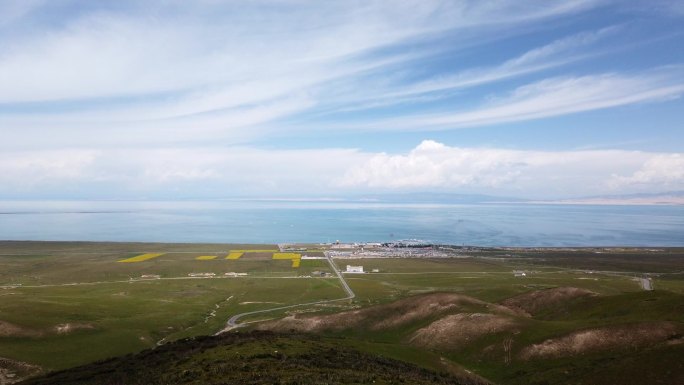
(205, 275)
(354, 269)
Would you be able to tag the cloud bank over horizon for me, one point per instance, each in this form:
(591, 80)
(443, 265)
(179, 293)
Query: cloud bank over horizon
(430, 166)
(211, 99)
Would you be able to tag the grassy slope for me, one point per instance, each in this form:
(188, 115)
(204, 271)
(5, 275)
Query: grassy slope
(485, 355)
(254, 358)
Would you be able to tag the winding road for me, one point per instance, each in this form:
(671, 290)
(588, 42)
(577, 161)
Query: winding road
(233, 321)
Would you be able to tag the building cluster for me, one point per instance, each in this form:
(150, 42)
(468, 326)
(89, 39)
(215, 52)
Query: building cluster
(211, 275)
(201, 275)
(391, 252)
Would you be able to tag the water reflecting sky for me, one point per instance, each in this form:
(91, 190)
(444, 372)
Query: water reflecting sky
(281, 221)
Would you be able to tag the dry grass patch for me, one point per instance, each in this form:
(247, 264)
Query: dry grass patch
(457, 330)
(11, 330)
(68, 327)
(383, 317)
(610, 337)
(536, 301)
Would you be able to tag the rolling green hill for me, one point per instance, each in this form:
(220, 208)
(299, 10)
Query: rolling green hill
(249, 358)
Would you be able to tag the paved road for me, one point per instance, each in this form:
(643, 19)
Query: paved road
(350, 293)
(233, 321)
(646, 283)
(135, 280)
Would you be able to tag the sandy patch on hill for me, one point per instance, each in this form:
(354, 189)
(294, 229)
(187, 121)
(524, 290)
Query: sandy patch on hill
(395, 314)
(414, 308)
(70, 327)
(535, 301)
(457, 330)
(11, 330)
(625, 337)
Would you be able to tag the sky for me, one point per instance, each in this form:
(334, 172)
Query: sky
(210, 99)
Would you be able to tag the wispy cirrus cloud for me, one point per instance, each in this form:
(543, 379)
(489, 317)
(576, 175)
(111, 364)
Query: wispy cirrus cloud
(110, 54)
(557, 53)
(384, 91)
(552, 97)
(169, 73)
(127, 97)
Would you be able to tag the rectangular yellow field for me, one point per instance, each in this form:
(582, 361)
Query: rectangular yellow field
(294, 257)
(234, 255)
(142, 257)
(254, 251)
(286, 256)
(205, 257)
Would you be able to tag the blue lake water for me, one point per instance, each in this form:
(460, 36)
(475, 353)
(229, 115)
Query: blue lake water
(273, 221)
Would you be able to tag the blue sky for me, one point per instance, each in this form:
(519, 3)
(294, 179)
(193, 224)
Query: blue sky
(210, 99)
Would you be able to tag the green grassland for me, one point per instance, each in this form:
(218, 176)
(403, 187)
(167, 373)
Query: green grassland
(127, 317)
(252, 358)
(71, 303)
(481, 278)
(113, 311)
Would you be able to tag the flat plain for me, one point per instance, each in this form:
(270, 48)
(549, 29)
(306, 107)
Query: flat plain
(502, 315)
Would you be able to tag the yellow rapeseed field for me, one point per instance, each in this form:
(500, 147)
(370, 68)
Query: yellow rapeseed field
(142, 257)
(294, 257)
(205, 257)
(254, 251)
(286, 256)
(234, 255)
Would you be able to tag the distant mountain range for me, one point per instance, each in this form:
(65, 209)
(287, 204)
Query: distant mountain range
(662, 198)
(665, 198)
(429, 197)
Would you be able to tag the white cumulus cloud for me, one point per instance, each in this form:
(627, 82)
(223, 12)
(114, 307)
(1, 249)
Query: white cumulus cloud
(665, 170)
(433, 165)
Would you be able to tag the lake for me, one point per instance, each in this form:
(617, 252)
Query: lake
(322, 221)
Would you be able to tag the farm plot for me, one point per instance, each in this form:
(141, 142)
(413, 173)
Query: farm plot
(234, 255)
(294, 257)
(142, 257)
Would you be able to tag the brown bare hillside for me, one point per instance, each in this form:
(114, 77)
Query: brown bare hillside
(536, 301)
(610, 337)
(387, 316)
(457, 330)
